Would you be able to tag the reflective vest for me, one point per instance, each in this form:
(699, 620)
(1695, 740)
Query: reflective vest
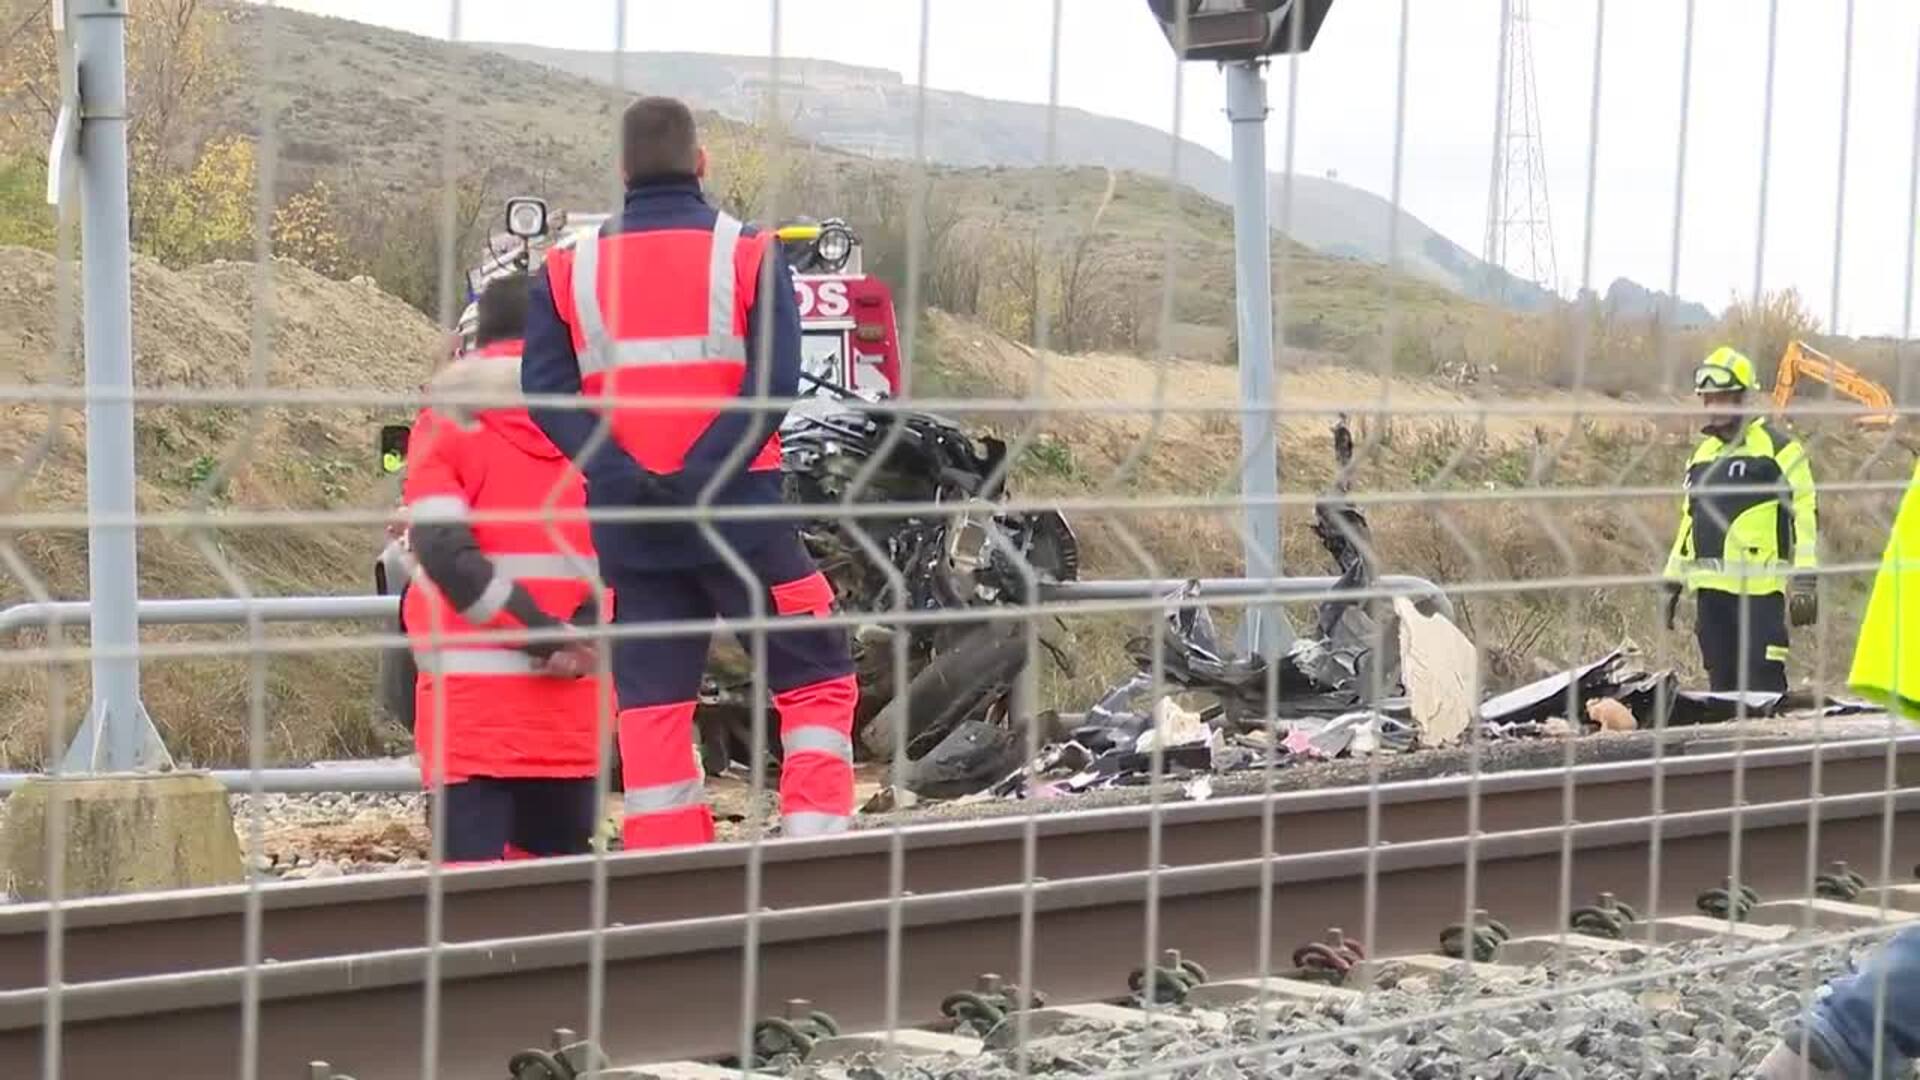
(499, 716)
(1748, 519)
(1886, 660)
(663, 314)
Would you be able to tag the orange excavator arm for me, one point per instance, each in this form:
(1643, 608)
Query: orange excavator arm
(1802, 359)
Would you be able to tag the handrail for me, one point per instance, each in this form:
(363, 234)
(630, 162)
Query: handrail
(1423, 592)
(212, 610)
(225, 609)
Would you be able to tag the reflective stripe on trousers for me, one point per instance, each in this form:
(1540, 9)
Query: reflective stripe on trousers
(664, 804)
(816, 739)
(807, 823)
(816, 777)
(662, 797)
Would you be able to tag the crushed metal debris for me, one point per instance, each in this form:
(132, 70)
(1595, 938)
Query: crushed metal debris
(1373, 676)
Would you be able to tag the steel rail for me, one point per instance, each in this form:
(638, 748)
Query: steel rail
(666, 983)
(116, 937)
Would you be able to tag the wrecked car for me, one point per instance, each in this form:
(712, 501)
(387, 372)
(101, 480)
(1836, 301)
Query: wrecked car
(954, 548)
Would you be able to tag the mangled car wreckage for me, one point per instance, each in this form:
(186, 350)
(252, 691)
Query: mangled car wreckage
(951, 548)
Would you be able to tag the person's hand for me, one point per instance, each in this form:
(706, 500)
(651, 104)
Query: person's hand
(574, 660)
(632, 486)
(1803, 600)
(1671, 608)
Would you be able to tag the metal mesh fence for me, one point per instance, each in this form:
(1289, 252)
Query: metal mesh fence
(1329, 712)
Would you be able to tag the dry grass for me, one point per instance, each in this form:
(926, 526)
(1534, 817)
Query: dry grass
(192, 330)
(1465, 513)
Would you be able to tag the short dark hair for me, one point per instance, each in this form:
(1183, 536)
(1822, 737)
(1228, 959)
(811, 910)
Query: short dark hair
(658, 138)
(501, 310)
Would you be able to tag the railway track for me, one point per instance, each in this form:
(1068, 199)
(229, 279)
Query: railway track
(351, 960)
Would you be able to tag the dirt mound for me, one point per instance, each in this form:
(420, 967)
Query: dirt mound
(193, 332)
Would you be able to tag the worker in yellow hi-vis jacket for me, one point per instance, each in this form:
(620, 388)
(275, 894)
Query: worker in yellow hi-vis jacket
(1872, 1014)
(1747, 544)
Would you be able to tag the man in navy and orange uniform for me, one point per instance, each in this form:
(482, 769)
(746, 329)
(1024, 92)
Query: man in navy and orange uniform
(510, 725)
(677, 301)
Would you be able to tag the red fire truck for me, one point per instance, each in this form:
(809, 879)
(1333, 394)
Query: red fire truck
(851, 340)
(849, 336)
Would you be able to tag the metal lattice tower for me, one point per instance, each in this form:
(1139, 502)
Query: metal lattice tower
(1519, 217)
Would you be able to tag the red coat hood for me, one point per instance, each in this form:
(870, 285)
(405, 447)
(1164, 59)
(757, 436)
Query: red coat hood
(490, 380)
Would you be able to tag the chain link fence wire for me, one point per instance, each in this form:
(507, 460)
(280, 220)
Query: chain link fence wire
(308, 197)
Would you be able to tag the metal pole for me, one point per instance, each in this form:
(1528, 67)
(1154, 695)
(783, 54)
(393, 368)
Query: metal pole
(1266, 629)
(118, 734)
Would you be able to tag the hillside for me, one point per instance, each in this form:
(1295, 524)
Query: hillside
(370, 109)
(192, 331)
(364, 108)
(1454, 504)
(873, 111)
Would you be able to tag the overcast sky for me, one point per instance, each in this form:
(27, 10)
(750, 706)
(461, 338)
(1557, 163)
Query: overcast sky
(1113, 60)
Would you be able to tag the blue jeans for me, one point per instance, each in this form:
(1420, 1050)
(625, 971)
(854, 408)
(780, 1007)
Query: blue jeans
(1842, 1022)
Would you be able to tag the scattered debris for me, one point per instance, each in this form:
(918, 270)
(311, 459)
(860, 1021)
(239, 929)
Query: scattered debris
(1442, 672)
(1376, 677)
(889, 798)
(1173, 726)
(1610, 715)
(975, 753)
(1549, 696)
(840, 447)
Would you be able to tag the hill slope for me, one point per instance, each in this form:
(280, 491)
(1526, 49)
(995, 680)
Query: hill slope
(873, 111)
(1456, 483)
(366, 109)
(192, 331)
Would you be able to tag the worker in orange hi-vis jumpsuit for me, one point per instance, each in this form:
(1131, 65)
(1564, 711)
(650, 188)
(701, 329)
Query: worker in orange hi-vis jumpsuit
(675, 300)
(510, 726)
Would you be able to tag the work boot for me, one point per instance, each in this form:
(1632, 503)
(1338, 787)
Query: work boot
(1785, 1063)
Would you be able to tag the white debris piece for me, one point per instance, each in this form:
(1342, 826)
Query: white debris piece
(1441, 671)
(1173, 726)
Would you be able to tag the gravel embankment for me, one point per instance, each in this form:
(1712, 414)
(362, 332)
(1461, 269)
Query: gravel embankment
(1688, 1026)
(1493, 757)
(329, 834)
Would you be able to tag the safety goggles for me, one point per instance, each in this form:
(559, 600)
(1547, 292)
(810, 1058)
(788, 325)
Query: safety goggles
(1713, 379)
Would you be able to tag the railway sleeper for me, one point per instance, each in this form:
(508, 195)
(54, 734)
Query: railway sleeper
(1898, 897)
(1825, 914)
(1203, 1003)
(675, 1070)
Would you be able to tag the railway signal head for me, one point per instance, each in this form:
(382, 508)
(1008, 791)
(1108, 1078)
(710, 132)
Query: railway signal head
(1225, 30)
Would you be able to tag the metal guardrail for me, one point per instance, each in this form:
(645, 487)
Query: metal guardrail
(234, 610)
(385, 777)
(1423, 592)
(346, 777)
(207, 611)
(349, 776)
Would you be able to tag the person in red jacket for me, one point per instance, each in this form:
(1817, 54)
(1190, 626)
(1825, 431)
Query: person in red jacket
(509, 724)
(678, 302)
